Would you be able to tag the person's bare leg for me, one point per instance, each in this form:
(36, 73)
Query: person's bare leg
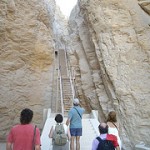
(78, 143)
(72, 143)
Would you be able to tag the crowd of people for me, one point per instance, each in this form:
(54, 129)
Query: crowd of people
(65, 136)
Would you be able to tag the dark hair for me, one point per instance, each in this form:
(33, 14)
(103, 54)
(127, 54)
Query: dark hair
(26, 116)
(59, 118)
(112, 117)
(103, 129)
(76, 104)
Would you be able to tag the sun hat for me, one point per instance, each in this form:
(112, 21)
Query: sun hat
(76, 101)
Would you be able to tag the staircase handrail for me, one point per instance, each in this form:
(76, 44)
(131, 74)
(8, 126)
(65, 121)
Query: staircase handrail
(61, 93)
(75, 89)
(72, 86)
(71, 77)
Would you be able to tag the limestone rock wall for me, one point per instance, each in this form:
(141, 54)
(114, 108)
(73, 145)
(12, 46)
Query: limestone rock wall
(60, 29)
(109, 52)
(26, 58)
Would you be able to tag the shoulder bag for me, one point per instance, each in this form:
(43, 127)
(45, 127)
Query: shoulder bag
(78, 112)
(33, 141)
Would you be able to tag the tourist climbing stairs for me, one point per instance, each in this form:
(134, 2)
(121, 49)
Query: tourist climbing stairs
(90, 130)
(66, 90)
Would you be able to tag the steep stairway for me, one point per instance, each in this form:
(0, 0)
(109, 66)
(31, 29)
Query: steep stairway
(67, 91)
(67, 87)
(67, 94)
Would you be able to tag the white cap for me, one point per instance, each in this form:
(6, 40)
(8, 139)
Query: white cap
(76, 101)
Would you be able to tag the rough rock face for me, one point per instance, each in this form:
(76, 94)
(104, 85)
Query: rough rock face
(108, 48)
(109, 52)
(26, 58)
(145, 5)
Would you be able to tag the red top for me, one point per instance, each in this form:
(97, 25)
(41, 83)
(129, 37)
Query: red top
(21, 136)
(112, 138)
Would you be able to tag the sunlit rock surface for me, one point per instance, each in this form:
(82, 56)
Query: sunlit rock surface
(110, 53)
(107, 44)
(26, 58)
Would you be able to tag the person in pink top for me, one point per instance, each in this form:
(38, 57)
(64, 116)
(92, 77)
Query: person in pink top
(24, 136)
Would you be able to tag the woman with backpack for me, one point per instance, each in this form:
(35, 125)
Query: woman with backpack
(60, 134)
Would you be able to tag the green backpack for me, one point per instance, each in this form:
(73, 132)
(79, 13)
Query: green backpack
(59, 136)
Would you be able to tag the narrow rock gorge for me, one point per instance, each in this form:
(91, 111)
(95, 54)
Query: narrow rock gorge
(108, 48)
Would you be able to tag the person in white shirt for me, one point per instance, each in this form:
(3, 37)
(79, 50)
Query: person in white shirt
(113, 126)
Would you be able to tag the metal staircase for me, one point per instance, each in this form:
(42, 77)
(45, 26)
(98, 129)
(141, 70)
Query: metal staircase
(66, 87)
(67, 94)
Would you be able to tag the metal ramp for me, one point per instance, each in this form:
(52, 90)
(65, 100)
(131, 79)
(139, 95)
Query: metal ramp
(90, 131)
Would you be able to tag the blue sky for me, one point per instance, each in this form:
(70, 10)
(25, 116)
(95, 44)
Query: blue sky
(66, 6)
